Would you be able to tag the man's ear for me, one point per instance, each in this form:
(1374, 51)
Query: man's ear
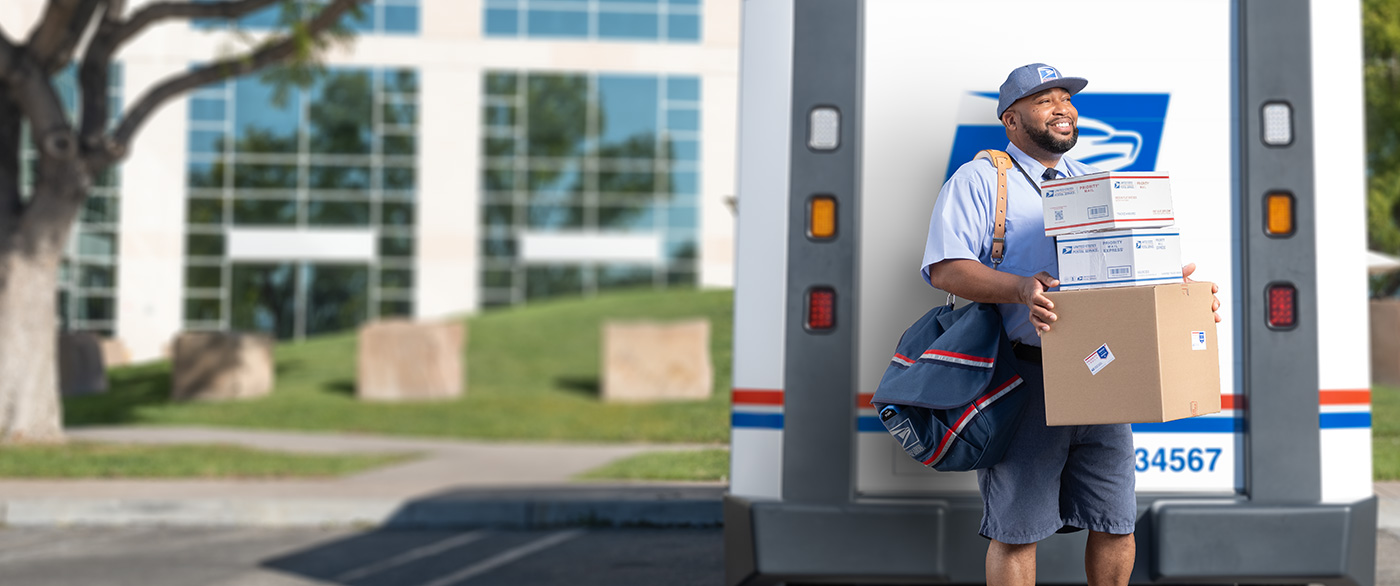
(1008, 119)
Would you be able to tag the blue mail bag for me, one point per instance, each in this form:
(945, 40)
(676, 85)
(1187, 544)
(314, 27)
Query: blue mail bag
(951, 396)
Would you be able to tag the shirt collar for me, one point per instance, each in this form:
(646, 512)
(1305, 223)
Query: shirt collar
(1032, 166)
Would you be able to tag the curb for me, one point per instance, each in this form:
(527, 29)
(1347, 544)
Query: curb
(610, 506)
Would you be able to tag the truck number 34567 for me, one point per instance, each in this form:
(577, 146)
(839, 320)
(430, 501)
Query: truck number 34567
(1178, 459)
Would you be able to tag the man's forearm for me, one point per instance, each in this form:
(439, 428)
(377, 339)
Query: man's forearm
(974, 281)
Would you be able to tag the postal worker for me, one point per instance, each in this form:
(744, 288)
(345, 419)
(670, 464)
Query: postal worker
(1052, 479)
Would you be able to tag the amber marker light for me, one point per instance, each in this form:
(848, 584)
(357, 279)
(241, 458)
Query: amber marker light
(1278, 219)
(821, 217)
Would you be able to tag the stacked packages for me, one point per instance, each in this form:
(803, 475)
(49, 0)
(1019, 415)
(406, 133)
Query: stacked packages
(1132, 343)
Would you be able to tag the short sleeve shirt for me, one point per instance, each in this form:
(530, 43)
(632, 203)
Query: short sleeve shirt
(961, 226)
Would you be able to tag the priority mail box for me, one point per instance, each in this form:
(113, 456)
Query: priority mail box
(1131, 355)
(1119, 258)
(1111, 200)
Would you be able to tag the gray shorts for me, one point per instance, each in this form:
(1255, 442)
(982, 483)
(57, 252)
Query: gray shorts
(1058, 479)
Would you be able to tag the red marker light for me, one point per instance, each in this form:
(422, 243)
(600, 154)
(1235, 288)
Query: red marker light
(821, 309)
(1282, 308)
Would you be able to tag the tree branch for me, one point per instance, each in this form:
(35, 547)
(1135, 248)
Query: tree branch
(295, 43)
(58, 33)
(158, 11)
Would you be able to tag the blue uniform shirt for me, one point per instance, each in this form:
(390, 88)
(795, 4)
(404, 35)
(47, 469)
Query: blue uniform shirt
(961, 226)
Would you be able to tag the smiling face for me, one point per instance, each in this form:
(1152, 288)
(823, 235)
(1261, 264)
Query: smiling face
(1045, 125)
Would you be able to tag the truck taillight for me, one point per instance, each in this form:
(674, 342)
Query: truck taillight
(1282, 306)
(821, 308)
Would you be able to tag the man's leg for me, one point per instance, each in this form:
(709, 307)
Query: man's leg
(1011, 564)
(1108, 559)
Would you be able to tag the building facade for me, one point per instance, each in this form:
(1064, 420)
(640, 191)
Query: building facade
(458, 155)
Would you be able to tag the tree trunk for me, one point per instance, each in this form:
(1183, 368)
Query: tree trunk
(30, 411)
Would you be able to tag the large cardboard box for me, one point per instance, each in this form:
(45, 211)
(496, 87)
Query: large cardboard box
(1119, 258)
(1131, 355)
(1110, 200)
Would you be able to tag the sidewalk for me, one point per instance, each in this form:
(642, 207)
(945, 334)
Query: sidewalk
(454, 484)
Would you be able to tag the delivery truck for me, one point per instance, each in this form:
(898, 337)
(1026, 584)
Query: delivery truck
(852, 115)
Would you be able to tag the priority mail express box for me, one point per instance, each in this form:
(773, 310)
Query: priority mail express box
(1118, 258)
(1131, 355)
(1111, 200)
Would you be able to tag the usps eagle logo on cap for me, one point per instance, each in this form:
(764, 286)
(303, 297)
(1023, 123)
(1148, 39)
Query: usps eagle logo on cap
(1047, 74)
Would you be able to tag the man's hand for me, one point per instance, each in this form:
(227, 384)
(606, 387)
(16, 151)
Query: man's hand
(1214, 288)
(1032, 294)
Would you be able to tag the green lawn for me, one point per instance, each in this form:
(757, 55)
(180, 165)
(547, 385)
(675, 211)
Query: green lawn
(532, 374)
(92, 460)
(1385, 432)
(697, 465)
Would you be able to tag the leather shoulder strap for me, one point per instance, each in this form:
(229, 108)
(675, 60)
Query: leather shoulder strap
(1003, 163)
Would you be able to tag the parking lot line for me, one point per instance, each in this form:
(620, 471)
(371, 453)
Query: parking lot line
(411, 555)
(506, 557)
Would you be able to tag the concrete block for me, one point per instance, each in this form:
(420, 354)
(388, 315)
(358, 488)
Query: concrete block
(115, 353)
(81, 370)
(401, 360)
(1385, 341)
(217, 366)
(655, 361)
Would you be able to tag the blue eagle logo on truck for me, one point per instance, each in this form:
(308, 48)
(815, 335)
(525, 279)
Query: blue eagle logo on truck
(1117, 132)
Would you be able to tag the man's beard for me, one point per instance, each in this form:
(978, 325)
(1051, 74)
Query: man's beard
(1043, 139)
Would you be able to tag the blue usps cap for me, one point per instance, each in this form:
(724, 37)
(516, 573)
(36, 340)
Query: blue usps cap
(1030, 79)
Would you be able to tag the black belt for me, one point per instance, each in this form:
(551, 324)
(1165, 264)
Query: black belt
(1026, 352)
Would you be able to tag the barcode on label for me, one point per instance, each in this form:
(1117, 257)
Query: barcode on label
(1121, 271)
(1096, 212)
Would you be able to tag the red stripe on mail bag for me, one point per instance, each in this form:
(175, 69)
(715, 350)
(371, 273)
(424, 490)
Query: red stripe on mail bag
(956, 358)
(972, 410)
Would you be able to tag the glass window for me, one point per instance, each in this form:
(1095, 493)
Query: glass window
(100, 210)
(396, 214)
(96, 277)
(502, 22)
(341, 114)
(550, 281)
(627, 217)
(683, 217)
(617, 276)
(338, 177)
(207, 110)
(683, 89)
(558, 115)
(203, 309)
(400, 145)
(557, 23)
(396, 246)
(207, 141)
(199, 174)
(97, 244)
(399, 178)
(683, 27)
(204, 245)
(683, 119)
(337, 213)
(497, 278)
(265, 176)
(628, 25)
(265, 212)
(401, 19)
(627, 117)
(204, 277)
(205, 211)
(96, 308)
(396, 308)
(261, 123)
(396, 278)
(262, 298)
(337, 297)
(552, 216)
(501, 84)
(685, 150)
